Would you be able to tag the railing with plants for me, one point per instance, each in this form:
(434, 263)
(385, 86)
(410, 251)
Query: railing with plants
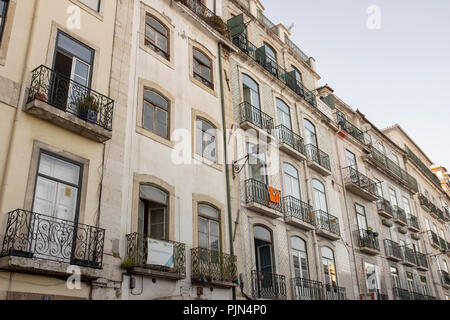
(408, 255)
(348, 127)
(392, 249)
(295, 208)
(69, 96)
(399, 214)
(318, 156)
(305, 289)
(254, 115)
(351, 175)
(138, 254)
(286, 136)
(258, 192)
(422, 260)
(368, 239)
(266, 285)
(414, 222)
(209, 265)
(327, 222)
(32, 235)
(384, 205)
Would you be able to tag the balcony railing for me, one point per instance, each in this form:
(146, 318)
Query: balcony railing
(286, 136)
(316, 155)
(408, 255)
(266, 22)
(442, 243)
(445, 277)
(423, 167)
(399, 214)
(423, 201)
(249, 113)
(385, 205)
(294, 208)
(351, 175)
(69, 96)
(351, 129)
(32, 235)
(212, 265)
(335, 293)
(422, 260)
(268, 63)
(434, 238)
(138, 254)
(214, 21)
(297, 50)
(440, 214)
(401, 294)
(327, 222)
(305, 289)
(368, 239)
(258, 192)
(392, 249)
(266, 285)
(414, 222)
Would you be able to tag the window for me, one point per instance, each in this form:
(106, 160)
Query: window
(153, 213)
(371, 277)
(206, 140)
(203, 69)
(93, 4)
(379, 187)
(395, 278)
(311, 137)
(424, 285)
(157, 36)
(284, 114)
(410, 282)
(361, 218)
(299, 258)
(263, 247)
(320, 199)
(329, 266)
(3, 11)
(251, 91)
(58, 186)
(257, 163)
(395, 159)
(291, 181)
(393, 197)
(156, 113)
(381, 148)
(351, 159)
(298, 75)
(208, 227)
(270, 51)
(427, 224)
(407, 207)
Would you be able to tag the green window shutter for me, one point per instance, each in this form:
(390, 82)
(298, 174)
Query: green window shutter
(236, 24)
(329, 101)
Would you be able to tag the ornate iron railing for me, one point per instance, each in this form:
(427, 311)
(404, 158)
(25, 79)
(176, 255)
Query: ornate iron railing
(414, 222)
(255, 116)
(32, 235)
(368, 239)
(442, 243)
(422, 260)
(351, 129)
(445, 277)
(258, 192)
(385, 205)
(268, 63)
(69, 96)
(267, 285)
(392, 249)
(138, 253)
(209, 265)
(214, 21)
(335, 293)
(440, 214)
(423, 200)
(305, 289)
(399, 214)
(295, 208)
(327, 222)
(291, 139)
(401, 294)
(316, 155)
(408, 255)
(351, 175)
(423, 167)
(434, 238)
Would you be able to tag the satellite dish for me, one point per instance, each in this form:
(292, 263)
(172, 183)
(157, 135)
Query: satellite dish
(366, 127)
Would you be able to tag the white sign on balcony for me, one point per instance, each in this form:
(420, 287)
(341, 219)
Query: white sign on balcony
(160, 253)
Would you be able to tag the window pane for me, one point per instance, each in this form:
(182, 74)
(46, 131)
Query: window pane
(214, 228)
(208, 211)
(202, 58)
(75, 48)
(203, 240)
(93, 4)
(155, 24)
(202, 225)
(148, 117)
(262, 234)
(59, 169)
(156, 99)
(153, 194)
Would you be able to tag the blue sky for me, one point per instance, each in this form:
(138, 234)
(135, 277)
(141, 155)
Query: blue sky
(398, 74)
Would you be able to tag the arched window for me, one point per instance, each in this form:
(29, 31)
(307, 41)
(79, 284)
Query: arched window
(203, 68)
(298, 75)
(206, 136)
(320, 198)
(299, 258)
(292, 181)
(270, 51)
(156, 113)
(208, 227)
(157, 36)
(271, 59)
(251, 91)
(311, 135)
(329, 266)
(153, 213)
(263, 248)
(381, 148)
(284, 114)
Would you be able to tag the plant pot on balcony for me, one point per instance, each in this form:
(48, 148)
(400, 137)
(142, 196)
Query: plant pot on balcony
(415, 236)
(87, 108)
(402, 230)
(387, 223)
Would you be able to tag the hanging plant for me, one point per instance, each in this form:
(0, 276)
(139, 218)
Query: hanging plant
(387, 223)
(402, 230)
(415, 236)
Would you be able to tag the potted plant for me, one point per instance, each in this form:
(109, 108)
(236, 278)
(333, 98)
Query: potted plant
(87, 107)
(128, 263)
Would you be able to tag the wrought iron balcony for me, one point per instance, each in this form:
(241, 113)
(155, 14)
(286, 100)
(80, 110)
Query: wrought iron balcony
(440, 214)
(214, 267)
(291, 139)
(267, 285)
(409, 257)
(305, 289)
(255, 116)
(401, 294)
(368, 241)
(70, 97)
(319, 157)
(351, 129)
(384, 208)
(400, 216)
(335, 293)
(434, 238)
(258, 192)
(297, 51)
(328, 223)
(424, 202)
(37, 236)
(139, 257)
(299, 210)
(214, 21)
(414, 223)
(360, 184)
(266, 22)
(393, 250)
(422, 262)
(423, 167)
(442, 243)
(268, 63)
(446, 214)
(445, 278)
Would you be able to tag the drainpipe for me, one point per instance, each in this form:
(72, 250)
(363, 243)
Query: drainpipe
(21, 95)
(225, 154)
